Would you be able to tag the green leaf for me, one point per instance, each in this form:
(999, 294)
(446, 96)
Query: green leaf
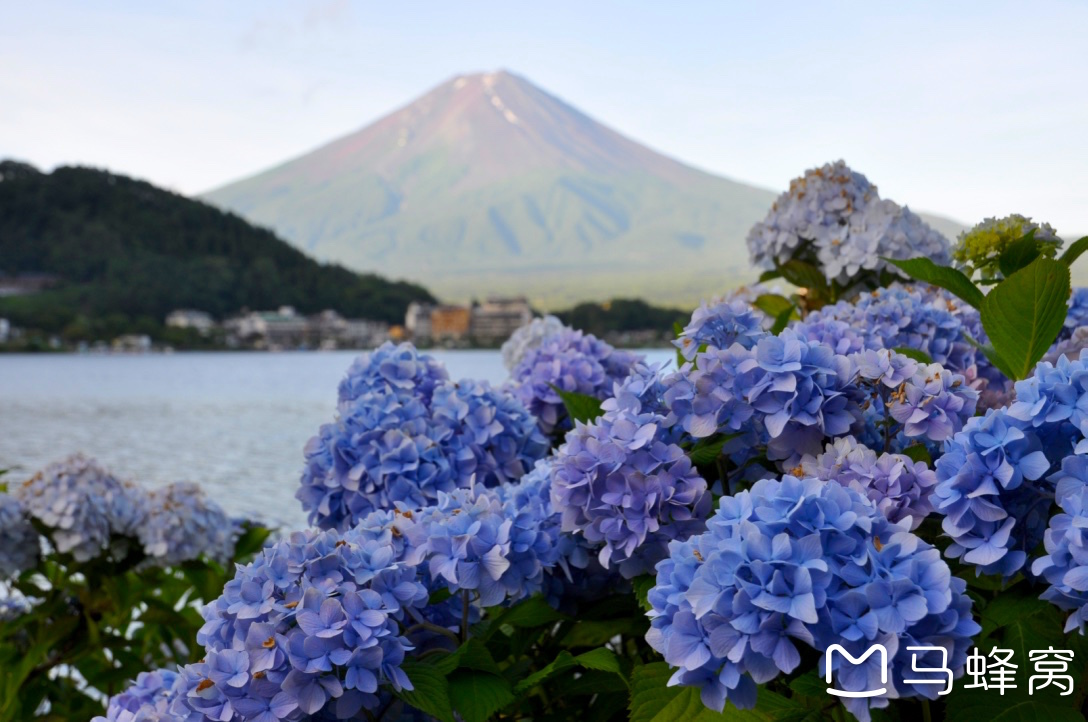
(430, 693)
(1076, 248)
(769, 275)
(1018, 254)
(580, 407)
(977, 705)
(706, 451)
(478, 695)
(653, 701)
(918, 452)
(474, 655)
(805, 275)
(923, 269)
(919, 356)
(643, 584)
(1023, 314)
(601, 659)
(564, 660)
(596, 633)
(773, 304)
(533, 612)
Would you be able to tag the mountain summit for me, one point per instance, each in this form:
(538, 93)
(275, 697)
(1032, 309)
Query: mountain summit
(488, 184)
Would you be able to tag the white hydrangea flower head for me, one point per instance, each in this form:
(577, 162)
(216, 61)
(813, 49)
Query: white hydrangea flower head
(528, 337)
(847, 227)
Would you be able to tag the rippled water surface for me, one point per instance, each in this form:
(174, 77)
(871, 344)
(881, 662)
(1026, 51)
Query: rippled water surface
(235, 422)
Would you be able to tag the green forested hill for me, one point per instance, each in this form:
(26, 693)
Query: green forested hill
(129, 252)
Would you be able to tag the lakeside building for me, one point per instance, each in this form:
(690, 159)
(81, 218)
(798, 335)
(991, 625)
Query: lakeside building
(285, 328)
(199, 321)
(450, 323)
(25, 284)
(496, 318)
(489, 322)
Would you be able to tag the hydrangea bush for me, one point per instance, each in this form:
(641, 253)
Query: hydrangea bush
(879, 457)
(99, 578)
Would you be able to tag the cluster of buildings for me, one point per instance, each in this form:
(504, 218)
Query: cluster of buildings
(285, 328)
(487, 323)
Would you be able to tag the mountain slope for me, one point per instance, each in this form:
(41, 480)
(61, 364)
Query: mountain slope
(124, 248)
(489, 184)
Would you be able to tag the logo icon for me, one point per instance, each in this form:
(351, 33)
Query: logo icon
(877, 649)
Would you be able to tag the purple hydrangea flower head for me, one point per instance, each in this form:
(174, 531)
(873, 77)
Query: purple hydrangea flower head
(797, 563)
(83, 506)
(1065, 564)
(624, 489)
(720, 324)
(933, 403)
(392, 368)
(20, 545)
(899, 487)
(570, 361)
(993, 492)
(183, 524)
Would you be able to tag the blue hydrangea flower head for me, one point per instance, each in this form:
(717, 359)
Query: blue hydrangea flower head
(404, 444)
(1065, 564)
(147, 700)
(570, 361)
(993, 492)
(315, 624)
(83, 506)
(20, 545)
(720, 324)
(797, 563)
(392, 368)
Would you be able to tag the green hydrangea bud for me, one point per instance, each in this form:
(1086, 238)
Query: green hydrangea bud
(979, 249)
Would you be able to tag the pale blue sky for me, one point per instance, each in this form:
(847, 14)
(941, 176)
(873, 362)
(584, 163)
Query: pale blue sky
(968, 109)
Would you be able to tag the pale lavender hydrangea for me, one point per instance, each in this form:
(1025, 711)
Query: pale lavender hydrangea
(20, 545)
(392, 368)
(183, 524)
(899, 486)
(527, 338)
(83, 507)
(834, 218)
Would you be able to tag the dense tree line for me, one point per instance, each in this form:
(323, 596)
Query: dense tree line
(128, 253)
(621, 316)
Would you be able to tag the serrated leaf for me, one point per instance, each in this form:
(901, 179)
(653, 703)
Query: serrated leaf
(642, 586)
(923, 269)
(430, 693)
(810, 684)
(580, 407)
(596, 633)
(918, 452)
(913, 353)
(1076, 248)
(601, 659)
(1018, 254)
(649, 691)
(1023, 314)
(474, 655)
(478, 695)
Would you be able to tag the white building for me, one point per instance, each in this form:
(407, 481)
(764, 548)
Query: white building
(189, 318)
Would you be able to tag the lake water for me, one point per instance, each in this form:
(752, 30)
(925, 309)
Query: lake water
(234, 422)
